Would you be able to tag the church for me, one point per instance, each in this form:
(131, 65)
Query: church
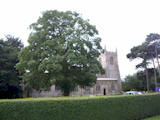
(107, 84)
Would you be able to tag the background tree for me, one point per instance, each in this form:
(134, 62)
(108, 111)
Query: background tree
(148, 51)
(138, 82)
(9, 76)
(63, 50)
(133, 83)
(153, 49)
(140, 51)
(153, 41)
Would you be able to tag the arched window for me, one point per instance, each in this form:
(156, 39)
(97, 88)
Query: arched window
(112, 86)
(111, 60)
(98, 87)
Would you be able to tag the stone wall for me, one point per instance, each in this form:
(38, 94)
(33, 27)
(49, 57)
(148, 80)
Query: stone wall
(111, 87)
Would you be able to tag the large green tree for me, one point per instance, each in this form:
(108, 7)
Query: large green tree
(153, 41)
(148, 51)
(141, 52)
(63, 50)
(153, 49)
(9, 76)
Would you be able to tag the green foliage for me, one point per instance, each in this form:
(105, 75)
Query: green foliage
(137, 81)
(140, 52)
(147, 52)
(153, 43)
(96, 108)
(63, 50)
(9, 76)
(133, 83)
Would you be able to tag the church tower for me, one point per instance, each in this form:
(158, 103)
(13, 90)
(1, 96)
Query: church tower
(109, 61)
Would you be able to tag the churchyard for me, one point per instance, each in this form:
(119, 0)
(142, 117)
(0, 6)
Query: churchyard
(64, 53)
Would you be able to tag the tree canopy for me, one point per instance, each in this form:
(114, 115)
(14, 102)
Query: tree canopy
(141, 52)
(148, 51)
(9, 76)
(63, 50)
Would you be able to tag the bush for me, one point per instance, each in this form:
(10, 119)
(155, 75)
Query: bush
(95, 108)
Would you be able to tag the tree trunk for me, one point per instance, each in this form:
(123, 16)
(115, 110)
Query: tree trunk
(155, 75)
(147, 78)
(158, 64)
(81, 91)
(157, 60)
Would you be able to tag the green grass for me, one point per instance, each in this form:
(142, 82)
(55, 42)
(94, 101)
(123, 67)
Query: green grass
(153, 118)
(59, 98)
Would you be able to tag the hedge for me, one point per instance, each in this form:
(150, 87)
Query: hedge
(85, 108)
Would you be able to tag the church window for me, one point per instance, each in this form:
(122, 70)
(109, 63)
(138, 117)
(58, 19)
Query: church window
(98, 87)
(112, 86)
(111, 60)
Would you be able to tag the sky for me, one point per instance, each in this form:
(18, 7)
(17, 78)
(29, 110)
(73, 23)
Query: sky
(122, 24)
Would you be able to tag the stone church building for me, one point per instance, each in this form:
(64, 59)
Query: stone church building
(107, 84)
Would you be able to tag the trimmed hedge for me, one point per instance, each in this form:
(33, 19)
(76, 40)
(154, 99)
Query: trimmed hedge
(85, 108)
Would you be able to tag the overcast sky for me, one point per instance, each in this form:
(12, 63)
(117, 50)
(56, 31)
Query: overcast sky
(122, 24)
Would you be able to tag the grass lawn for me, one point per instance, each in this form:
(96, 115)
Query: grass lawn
(59, 98)
(153, 118)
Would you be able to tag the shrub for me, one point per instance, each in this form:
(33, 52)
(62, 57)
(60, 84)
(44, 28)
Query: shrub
(85, 108)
